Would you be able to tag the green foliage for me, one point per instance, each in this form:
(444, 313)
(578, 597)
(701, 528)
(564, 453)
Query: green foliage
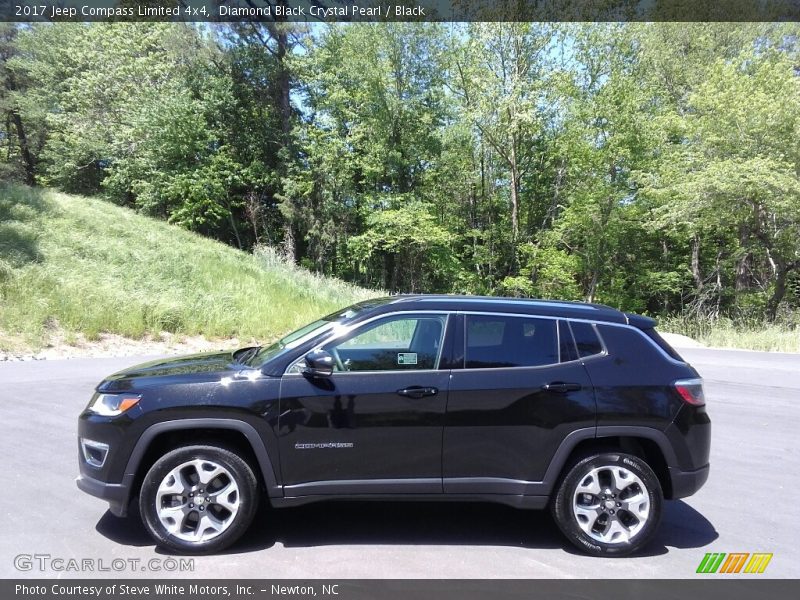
(547, 272)
(650, 166)
(72, 264)
(408, 246)
(782, 335)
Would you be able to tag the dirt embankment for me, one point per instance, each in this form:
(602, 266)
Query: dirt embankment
(110, 344)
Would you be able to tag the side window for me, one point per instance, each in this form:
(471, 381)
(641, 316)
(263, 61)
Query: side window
(494, 342)
(566, 343)
(586, 338)
(397, 343)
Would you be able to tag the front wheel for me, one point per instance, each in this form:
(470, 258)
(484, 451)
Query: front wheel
(198, 499)
(609, 504)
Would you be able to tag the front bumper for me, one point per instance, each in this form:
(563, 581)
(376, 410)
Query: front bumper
(686, 483)
(116, 494)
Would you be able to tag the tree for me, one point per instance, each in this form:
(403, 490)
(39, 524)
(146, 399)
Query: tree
(734, 168)
(500, 75)
(371, 134)
(264, 83)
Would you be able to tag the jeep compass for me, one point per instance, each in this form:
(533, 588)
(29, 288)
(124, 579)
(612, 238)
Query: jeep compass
(574, 407)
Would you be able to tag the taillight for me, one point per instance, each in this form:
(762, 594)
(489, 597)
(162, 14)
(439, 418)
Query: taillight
(691, 390)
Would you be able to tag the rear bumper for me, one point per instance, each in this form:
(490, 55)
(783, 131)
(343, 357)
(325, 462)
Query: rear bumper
(116, 494)
(686, 483)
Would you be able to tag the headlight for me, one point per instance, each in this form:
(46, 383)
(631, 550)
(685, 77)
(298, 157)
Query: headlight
(111, 405)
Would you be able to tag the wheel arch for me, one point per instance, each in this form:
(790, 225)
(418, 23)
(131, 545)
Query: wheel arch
(647, 443)
(168, 435)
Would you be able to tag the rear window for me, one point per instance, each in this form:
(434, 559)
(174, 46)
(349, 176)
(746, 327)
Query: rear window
(586, 339)
(494, 342)
(662, 343)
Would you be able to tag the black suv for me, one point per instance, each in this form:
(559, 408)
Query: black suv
(524, 402)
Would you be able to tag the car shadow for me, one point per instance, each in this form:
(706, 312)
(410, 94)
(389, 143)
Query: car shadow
(418, 523)
(128, 531)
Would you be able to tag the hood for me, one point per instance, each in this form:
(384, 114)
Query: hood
(183, 369)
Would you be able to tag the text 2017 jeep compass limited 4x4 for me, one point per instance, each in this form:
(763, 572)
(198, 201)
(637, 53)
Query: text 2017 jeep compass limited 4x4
(529, 403)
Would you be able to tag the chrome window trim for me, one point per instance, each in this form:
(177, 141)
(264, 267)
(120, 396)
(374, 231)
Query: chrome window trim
(592, 322)
(639, 332)
(502, 314)
(384, 372)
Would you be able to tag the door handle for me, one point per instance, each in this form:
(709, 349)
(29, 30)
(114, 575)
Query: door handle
(417, 391)
(561, 387)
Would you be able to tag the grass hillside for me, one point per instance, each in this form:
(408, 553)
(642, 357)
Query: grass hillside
(73, 265)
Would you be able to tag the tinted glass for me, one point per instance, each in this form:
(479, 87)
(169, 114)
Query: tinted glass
(401, 343)
(566, 343)
(498, 341)
(586, 338)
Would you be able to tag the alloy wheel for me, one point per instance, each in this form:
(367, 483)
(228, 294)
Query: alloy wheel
(611, 504)
(197, 500)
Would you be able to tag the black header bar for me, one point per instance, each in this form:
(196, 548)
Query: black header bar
(397, 589)
(397, 10)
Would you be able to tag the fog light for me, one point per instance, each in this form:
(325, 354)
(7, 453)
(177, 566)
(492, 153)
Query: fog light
(94, 453)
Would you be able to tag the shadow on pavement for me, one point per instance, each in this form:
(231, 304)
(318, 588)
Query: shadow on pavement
(419, 523)
(684, 527)
(128, 531)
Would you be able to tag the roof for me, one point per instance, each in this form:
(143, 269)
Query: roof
(554, 308)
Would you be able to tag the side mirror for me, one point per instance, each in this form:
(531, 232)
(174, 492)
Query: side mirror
(319, 364)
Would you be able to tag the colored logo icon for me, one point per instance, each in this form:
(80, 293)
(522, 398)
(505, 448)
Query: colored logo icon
(734, 562)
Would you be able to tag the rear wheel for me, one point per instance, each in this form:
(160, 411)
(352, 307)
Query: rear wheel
(609, 504)
(198, 499)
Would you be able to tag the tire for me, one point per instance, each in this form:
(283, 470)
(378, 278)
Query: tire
(609, 504)
(178, 517)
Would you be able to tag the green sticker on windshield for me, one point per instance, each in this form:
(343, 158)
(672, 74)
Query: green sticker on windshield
(406, 358)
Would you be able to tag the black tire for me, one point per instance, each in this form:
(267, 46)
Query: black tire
(566, 503)
(245, 499)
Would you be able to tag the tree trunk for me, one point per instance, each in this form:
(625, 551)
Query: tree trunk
(590, 294)
(234, 227)
(289, 243)
(696, 275)
(24, 150)
(514, 191)
(781, 276)
(284, 85)
(741, 280)
(389, 272)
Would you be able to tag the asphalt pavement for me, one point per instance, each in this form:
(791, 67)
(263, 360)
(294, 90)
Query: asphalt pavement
(748, 505)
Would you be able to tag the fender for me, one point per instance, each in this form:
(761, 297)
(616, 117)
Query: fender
(569, 443)
(656, 435)
(250, 433)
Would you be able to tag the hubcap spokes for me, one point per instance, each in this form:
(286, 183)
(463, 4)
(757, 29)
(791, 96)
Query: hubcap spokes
(611, 504)
(197, 500)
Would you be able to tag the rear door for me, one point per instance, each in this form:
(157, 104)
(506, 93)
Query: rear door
(520, 391)
(375, 425)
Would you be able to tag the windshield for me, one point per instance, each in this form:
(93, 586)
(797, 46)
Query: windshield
(305, 333)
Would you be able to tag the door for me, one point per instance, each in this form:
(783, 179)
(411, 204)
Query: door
(375, 425)
(513, 402)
